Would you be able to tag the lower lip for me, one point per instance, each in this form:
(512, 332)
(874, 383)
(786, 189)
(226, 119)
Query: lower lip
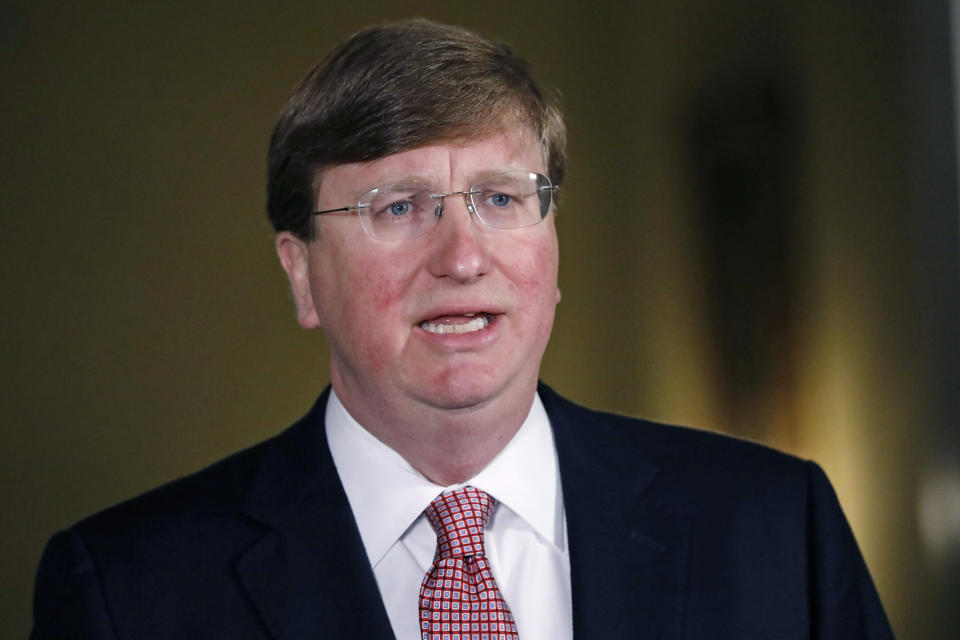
(464, 340)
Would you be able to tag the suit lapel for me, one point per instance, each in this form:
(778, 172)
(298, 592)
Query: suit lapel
(309, 575)
(628, 548)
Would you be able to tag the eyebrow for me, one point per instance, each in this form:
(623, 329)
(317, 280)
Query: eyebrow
(418, 180)
(497, 173)
(407, 181)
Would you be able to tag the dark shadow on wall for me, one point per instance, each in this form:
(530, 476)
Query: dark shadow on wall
(744, 134)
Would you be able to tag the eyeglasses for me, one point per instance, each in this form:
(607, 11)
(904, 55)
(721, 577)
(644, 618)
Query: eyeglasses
(409, 208)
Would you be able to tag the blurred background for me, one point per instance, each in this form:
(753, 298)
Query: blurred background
(759, 235)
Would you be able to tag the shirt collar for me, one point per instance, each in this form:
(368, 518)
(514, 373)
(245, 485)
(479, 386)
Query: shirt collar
(387, 494)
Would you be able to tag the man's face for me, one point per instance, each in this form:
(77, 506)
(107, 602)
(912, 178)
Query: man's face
(380, 303)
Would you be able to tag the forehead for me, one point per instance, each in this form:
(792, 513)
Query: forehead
(443, 164)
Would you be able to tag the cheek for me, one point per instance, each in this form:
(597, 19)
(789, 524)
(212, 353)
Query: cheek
(369, 297)
(387, 288)
(384, 283)
(533, 272)
(536, 273)
(366, 289)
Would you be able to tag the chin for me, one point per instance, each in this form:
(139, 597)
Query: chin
(462, 390)
(460, 398)
(468, 389)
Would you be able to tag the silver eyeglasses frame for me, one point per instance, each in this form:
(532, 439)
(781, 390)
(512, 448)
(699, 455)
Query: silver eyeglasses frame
(438, 209)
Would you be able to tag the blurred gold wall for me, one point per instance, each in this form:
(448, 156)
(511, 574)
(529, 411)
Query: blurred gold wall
(147, 326)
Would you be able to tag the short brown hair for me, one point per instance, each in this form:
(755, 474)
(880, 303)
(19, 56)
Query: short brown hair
(396, 87)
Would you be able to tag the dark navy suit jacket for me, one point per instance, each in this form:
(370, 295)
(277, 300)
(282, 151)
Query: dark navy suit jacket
(673, 533)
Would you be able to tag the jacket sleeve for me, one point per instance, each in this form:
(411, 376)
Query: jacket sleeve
(843, 600)
(68, 601)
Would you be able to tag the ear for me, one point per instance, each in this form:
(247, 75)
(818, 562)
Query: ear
(295, 258)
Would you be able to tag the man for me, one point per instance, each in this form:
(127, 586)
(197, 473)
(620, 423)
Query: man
(435, 490)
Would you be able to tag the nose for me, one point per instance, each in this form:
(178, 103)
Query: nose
(458, 244)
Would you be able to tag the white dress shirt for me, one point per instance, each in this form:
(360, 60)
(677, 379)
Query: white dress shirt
(525, 539)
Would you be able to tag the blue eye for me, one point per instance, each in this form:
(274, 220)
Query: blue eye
(500, 200)
(401, 208)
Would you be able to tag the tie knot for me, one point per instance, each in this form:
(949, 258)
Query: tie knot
(459, 517)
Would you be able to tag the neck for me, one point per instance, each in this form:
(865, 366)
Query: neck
(446, 445)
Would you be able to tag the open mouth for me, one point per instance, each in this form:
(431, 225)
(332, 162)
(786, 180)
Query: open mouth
(466, 323)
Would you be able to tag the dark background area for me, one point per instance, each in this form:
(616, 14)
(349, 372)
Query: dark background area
(758, 235)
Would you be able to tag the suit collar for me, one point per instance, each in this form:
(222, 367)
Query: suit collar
(309, 573)
(628, 545)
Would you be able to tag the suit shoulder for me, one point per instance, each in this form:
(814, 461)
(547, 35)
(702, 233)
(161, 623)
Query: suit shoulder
(678, 450)
(284, 460)
(217, 488)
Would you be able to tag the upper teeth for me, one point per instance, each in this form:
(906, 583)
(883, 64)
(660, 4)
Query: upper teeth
(481, 322)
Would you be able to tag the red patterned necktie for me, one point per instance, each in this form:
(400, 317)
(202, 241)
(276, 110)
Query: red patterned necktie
(459, 599)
